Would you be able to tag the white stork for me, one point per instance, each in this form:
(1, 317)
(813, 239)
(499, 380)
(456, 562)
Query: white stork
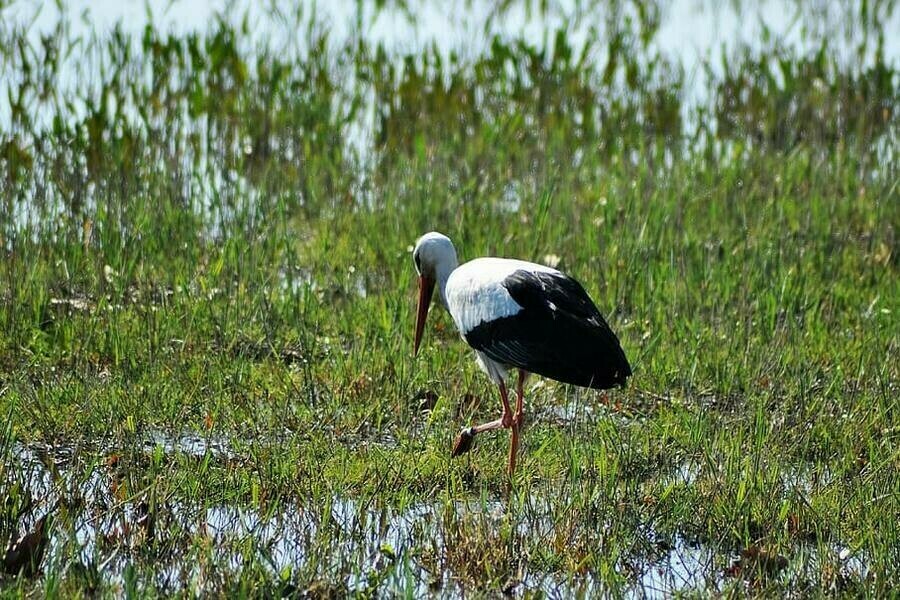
(518, 315)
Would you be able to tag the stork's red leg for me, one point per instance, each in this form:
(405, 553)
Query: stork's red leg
(513, 449)
(519, 417)
(466, 437)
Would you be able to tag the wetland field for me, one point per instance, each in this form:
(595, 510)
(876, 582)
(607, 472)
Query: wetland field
(207, 297)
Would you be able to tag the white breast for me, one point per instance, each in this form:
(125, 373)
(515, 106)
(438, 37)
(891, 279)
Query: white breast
(475, 291)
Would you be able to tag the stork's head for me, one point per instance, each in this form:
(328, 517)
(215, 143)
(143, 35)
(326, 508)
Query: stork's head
(435, 259)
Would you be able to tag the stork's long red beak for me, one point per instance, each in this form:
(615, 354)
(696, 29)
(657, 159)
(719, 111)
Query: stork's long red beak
(426, 289)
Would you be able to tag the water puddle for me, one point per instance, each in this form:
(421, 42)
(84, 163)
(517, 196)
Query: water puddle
(190, 444)
(511, 199)
(297, 281)
(353, 545)
(681, 566)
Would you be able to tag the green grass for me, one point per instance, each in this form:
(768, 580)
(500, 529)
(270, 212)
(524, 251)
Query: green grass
(216, 261)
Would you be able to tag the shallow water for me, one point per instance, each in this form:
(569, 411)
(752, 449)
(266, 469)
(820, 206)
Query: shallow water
(695, 38)
(693, 34)
(690, 30)
(351, 542)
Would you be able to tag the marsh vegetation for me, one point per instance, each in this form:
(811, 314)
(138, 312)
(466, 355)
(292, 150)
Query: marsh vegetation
(206, 301)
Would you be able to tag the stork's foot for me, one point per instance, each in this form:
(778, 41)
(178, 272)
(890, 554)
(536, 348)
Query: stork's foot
(463, 442)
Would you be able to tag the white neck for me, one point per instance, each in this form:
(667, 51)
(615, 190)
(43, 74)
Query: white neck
(442, 274)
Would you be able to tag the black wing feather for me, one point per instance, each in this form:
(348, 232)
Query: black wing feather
(559, 333)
